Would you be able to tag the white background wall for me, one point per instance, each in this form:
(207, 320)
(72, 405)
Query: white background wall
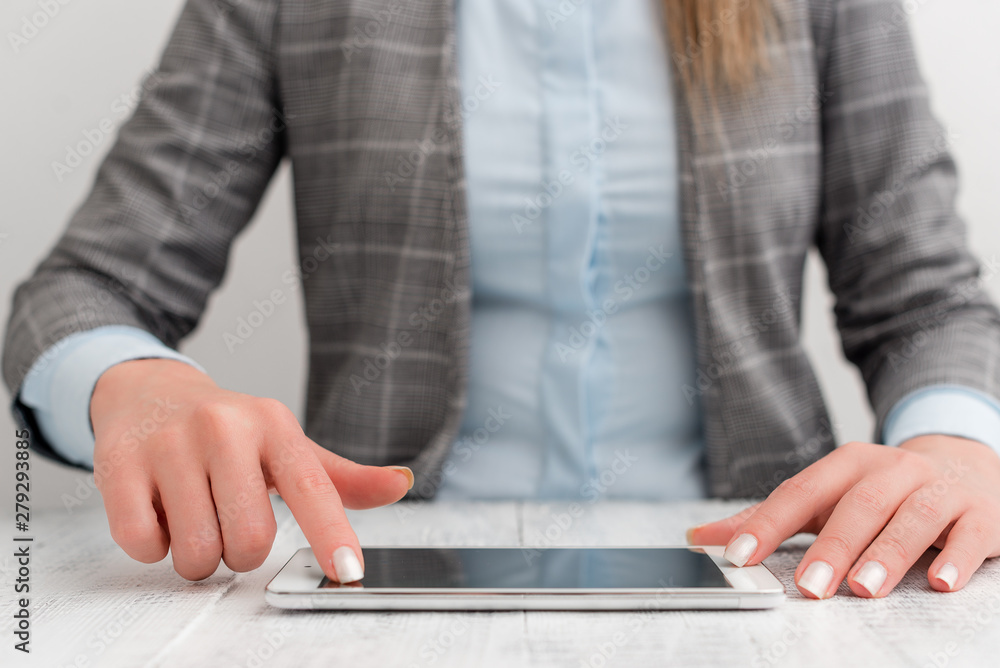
(67, 78)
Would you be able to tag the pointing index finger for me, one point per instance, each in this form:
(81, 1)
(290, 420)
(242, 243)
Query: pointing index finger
(314, 501)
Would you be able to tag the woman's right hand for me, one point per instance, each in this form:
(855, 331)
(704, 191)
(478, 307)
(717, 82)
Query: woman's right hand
(185, 465)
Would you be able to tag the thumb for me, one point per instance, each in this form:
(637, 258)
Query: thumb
(362, 486)
(720, 531)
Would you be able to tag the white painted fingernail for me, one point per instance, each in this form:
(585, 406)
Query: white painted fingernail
(741, 550)
(346, 565)
(871, 576)
(948, 574)
(816, 578)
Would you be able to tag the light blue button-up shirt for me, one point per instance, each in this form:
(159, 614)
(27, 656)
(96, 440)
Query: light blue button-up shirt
(582, 334)
(582, 328)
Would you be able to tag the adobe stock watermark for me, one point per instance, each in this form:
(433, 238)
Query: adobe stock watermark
(264, 309)
(778, 649)
(105, 637)
(224, 7)
(591, 490)
(751, 330)
(462, 450)
(625, 289)
(695, 46)
(909, 346)
(271, 642)
(419, 320)
(33, 24)
(912, 520)
(407, 165)
(738, 175)
(434, 648)
(94, 137)
(605, 651)
(247, 325)
(470, 444)
(363, 36)
(882, 201)
(113, 630)
(582, 158)
(983, 619)
(84, 318)
(219, 180)
(801, 456)
(900, 14)
(139, 433)
(562, 12)
(230, 515)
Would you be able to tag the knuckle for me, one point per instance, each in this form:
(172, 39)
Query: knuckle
(870, 496)
(977, 533)
(743, 515)
(201, 545)
(216, 417)
(272, 410)
(255, 537)
(763, 523)
(282, 450)
(337, 526)
(925, 509)
(965, 553)
(799, 487)
(854, 447)
(915, 461)
(838, 544)
(313, 482)
(893, 547)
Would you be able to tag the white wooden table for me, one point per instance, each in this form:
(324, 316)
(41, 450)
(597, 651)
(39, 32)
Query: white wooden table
(93, 606)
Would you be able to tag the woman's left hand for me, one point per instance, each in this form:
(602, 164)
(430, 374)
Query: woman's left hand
(876, 509)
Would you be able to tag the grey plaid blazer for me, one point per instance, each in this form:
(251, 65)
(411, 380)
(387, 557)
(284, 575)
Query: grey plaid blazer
(837, 147)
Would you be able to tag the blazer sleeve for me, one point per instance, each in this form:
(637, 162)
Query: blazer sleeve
(183, 177)
(909, 298)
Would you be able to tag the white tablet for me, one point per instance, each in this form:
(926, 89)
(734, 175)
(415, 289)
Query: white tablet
(527, 578)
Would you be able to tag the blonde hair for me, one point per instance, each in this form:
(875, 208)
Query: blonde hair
(719, 45)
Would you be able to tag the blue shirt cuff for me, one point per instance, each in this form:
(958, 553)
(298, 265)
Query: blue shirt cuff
(60, 383)
(951, 410)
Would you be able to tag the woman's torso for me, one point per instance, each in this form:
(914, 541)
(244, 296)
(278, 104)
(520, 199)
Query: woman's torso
(582, 337)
